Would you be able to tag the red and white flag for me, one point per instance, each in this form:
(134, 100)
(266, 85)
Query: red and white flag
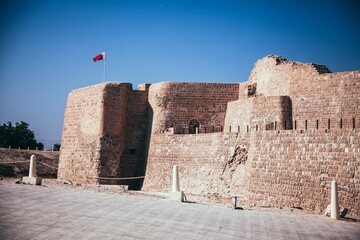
(101, 56)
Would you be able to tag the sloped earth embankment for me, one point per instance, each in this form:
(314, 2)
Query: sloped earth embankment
(15, 163)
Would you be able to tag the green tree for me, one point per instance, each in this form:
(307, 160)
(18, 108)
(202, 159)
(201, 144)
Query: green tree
(18, 136)
(57, 147)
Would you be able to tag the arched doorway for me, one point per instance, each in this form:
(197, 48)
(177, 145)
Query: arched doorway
(193, 124)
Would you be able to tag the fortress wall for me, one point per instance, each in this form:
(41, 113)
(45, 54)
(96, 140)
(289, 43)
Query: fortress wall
(94, 132)
(113, 137)
(203, 161)
(327, 96)
(176, 104)
(315, 93)
(274, 75)
(80, 145)
(238, 115)
(292, 169)
(133, 156)
(258, 113)
(281, 168)
(107, 133)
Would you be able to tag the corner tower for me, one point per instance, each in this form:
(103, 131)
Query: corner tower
(104, 134)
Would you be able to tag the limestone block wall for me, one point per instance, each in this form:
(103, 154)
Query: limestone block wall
(132, 162)
(270, 168)
(113, 137)
(97, 128)
(111, 131)
(83, 124)
(275, 75)
(328, 100)
(296, 169)
(258, 113)
(212, 163)
(174, 105)
(318, 97)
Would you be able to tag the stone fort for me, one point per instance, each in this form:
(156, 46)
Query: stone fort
(278, 139)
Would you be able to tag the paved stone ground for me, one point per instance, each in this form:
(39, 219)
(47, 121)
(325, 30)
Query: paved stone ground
(35, 212)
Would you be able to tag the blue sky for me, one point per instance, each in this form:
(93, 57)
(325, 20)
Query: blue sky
(47, 46)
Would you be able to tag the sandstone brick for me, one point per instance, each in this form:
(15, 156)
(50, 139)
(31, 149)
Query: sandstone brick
(277, 139)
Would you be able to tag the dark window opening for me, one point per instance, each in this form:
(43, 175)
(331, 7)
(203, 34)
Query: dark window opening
(251, 89)
(193, 125)
(353, 123)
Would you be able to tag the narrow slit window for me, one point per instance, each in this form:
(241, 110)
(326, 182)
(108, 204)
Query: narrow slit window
(353, 123)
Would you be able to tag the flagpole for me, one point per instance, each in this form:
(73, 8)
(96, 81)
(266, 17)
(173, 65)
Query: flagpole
(104, 80)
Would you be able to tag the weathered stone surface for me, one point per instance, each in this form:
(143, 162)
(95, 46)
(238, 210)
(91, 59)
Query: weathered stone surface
(278, 139)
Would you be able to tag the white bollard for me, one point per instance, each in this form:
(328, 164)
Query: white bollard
(176, 184)
(176, 194)
(32, 179)
(334, 201)
(32, 169)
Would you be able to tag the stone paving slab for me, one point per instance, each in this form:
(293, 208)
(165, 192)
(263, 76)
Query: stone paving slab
(37, 212)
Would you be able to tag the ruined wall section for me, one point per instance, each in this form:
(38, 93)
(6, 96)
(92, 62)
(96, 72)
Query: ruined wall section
(209, 164)
(292, 169)
(258, 113)
(319, 99)
(83, 124)
(174, 105)
(274, 75)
